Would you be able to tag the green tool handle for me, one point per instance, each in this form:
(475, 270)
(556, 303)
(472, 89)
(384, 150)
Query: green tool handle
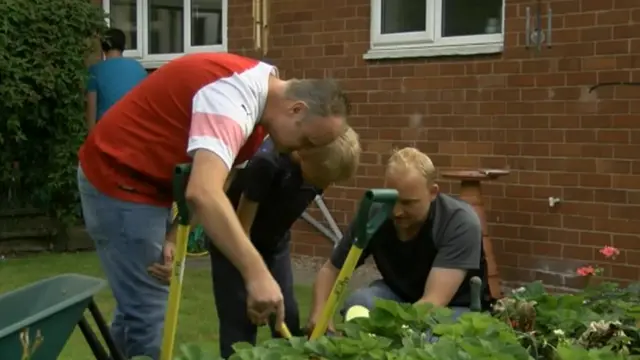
(365, 226)
(180, 178)
(476, 294)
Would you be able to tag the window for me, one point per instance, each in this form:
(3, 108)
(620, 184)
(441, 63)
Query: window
(160, 30)
(419, 28)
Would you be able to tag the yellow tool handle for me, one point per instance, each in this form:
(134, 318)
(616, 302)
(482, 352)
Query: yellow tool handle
(175, 292)
(339, 288)
(285, 332)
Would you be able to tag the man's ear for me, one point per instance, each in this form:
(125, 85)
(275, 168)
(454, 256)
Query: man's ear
(299, 107)
(434, 190)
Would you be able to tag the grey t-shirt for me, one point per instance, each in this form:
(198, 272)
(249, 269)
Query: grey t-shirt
(450, 238)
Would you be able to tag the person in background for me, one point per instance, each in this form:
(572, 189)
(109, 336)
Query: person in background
(112, 78)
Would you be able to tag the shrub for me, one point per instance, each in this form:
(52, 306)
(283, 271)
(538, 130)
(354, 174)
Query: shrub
(599, 323)
(43, 47)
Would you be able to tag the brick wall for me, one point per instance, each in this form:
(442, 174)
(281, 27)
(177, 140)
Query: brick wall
(530, 113)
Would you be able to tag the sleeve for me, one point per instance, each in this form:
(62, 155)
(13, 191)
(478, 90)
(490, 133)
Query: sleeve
(92, 83)
(461, 243)
(253, 144)
(260, 174)
(341, 251)
(221, 122)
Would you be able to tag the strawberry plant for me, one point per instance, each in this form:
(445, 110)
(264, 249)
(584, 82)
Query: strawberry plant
(531, 324)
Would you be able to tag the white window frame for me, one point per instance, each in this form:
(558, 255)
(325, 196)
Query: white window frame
(428, 43)
(152, 61)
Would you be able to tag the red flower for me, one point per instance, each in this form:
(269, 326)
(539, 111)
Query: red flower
(586, 271)
(609, 252)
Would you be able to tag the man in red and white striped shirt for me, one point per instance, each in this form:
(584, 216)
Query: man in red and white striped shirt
(212, 110)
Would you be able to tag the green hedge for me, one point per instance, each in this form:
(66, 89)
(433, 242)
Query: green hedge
(43, 47)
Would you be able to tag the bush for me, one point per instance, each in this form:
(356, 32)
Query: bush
(599, 323)
(43, 47)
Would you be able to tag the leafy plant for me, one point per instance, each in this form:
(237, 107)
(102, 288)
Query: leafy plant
(609, 252)
(43, 48)
(531, 324)
(602, 317)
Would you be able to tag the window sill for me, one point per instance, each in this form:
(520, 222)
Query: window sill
(155, 61)
(430, 50)
(154, 64)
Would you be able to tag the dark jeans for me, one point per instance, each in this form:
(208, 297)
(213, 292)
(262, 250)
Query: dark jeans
(231, 297)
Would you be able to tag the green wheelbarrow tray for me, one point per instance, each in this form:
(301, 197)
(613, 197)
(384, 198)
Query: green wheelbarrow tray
(50, 309)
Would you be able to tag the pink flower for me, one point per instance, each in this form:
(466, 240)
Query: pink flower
(609, 252)
(586, 271)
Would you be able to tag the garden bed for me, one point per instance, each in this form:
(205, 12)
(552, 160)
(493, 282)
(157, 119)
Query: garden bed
(597, 323)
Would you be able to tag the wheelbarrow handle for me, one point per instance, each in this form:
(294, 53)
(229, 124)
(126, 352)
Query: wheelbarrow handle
(366, 226)
(180, 178)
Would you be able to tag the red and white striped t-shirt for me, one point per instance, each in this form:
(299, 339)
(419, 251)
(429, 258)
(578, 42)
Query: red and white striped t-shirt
(209, 101)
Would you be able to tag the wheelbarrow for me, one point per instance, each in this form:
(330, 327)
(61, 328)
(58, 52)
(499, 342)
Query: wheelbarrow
(37, 320)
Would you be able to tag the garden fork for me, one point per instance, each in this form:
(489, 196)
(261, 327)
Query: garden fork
(365, 227)
(180, 178)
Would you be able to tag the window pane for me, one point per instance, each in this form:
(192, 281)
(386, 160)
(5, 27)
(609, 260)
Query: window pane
(400, 16)
(166, 29)
(122, 15)
(471, 17)
(206, 22)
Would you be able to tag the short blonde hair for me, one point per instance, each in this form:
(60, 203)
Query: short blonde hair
(412, 158)
(335, 162)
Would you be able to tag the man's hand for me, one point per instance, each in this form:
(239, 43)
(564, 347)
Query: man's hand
(264, 297)
(162, 271)
(325, 279)
(313, 320)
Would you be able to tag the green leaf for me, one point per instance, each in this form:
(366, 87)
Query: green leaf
(191, 352)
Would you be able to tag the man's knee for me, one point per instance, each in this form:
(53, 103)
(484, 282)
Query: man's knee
(367, 297)
(144, 326)
(364, 297)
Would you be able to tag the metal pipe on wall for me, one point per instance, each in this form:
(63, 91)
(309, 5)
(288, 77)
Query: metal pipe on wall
(328, 217)
(321, 228)
(261, 26)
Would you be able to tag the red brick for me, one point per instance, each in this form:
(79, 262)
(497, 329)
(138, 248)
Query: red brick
(531, 113)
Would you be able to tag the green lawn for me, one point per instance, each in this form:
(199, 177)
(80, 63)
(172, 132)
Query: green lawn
(198, 319)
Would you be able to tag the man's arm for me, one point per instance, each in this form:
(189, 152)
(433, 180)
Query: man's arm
(218, 131)
(91, 101)
(193, 222)
(247, 211)
(206, 195)
(259, 174)
(328, 274)
(460, 251)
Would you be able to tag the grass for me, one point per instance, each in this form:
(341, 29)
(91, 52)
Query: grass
(197, 321)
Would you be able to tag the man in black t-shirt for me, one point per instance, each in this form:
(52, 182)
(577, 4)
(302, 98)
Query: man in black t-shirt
(426, 252)
(269, 195)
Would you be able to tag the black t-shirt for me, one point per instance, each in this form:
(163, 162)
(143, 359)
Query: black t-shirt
(275, 182)
(451, 237)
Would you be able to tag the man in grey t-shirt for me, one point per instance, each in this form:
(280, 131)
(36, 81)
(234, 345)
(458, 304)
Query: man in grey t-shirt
(426, 252)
